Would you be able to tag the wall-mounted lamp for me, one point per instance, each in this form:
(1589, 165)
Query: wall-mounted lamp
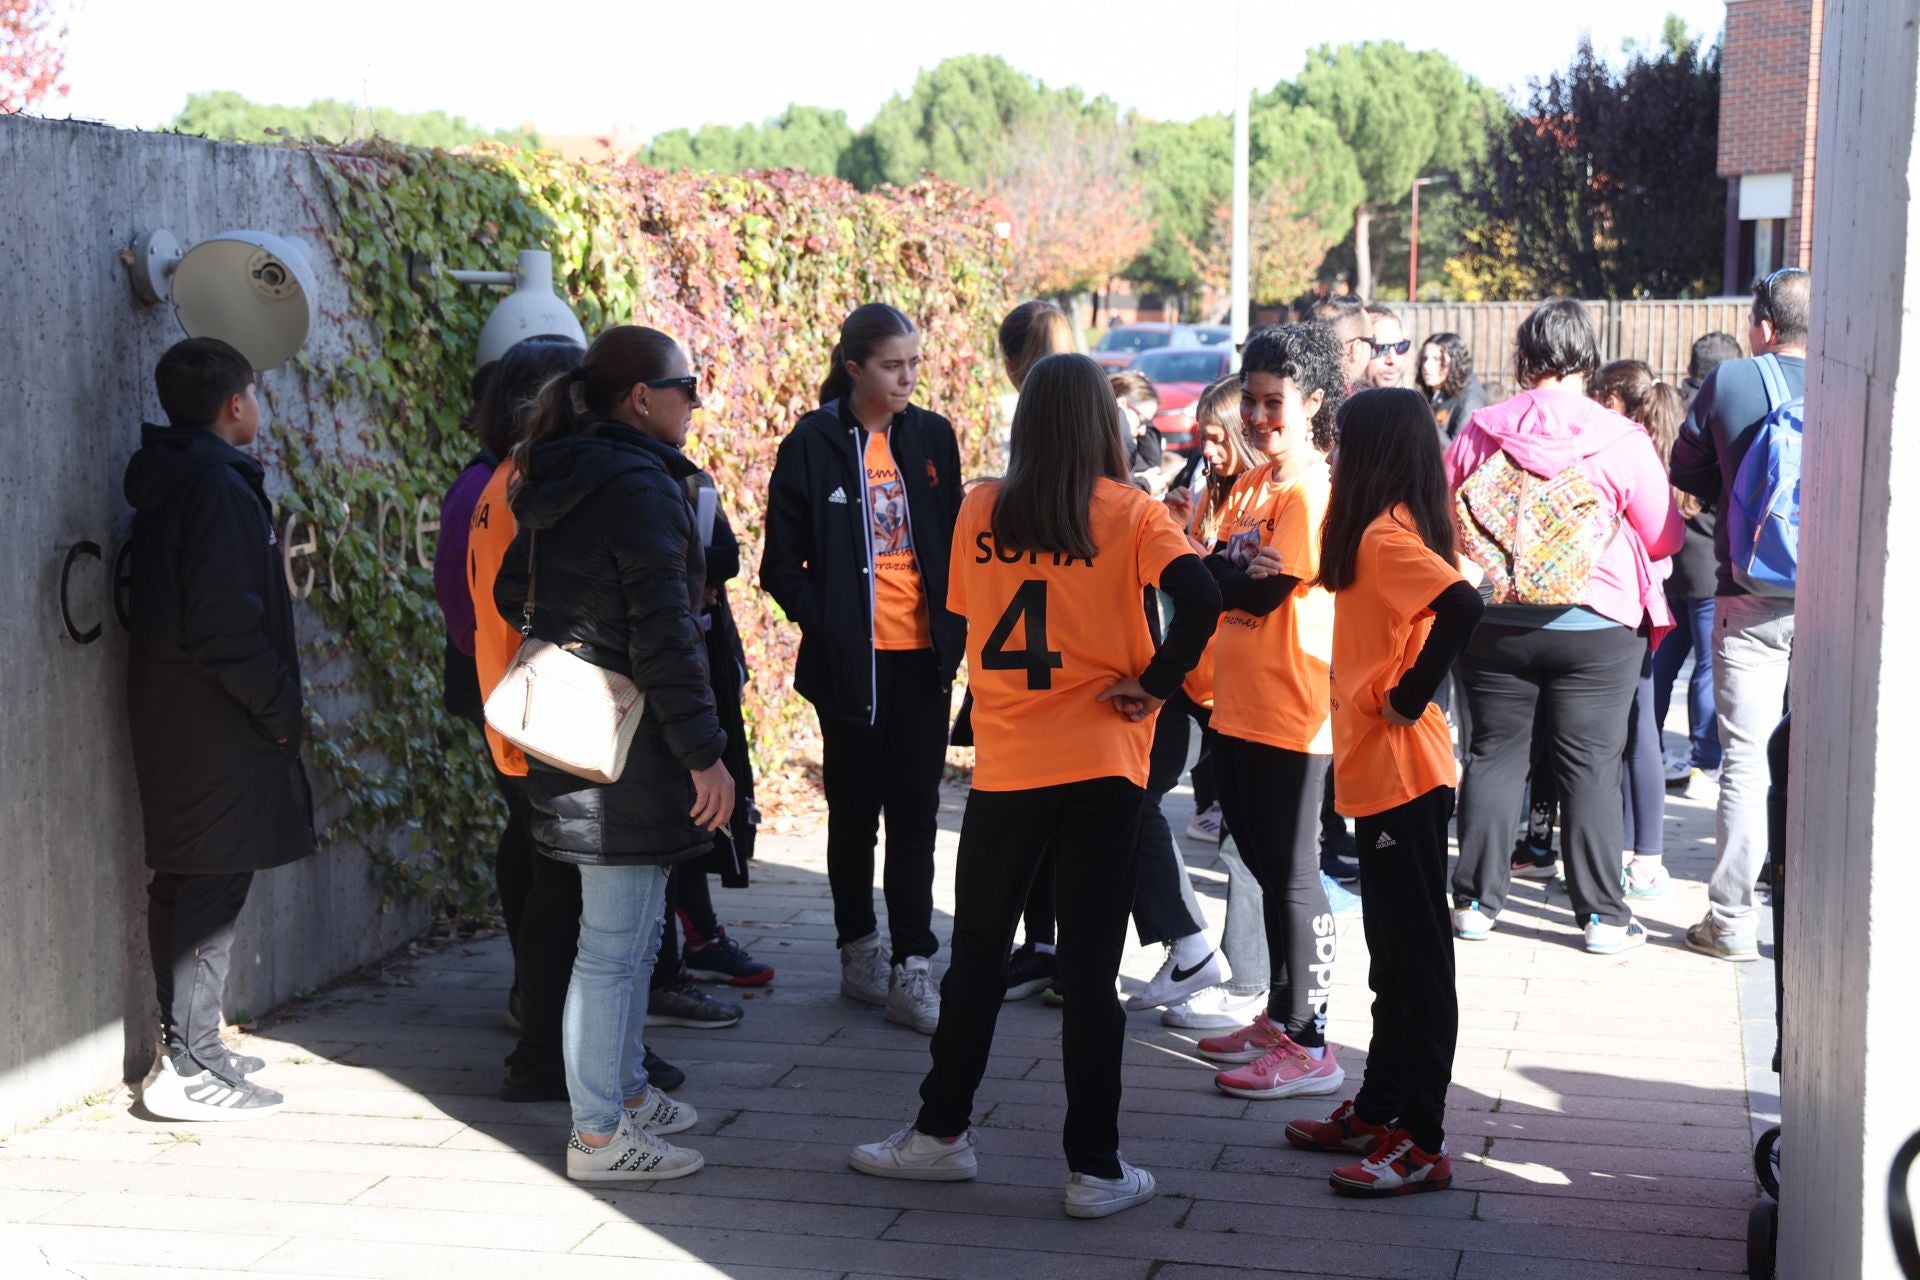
(252, 290)
(532, 310)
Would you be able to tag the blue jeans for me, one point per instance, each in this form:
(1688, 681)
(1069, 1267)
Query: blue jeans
(1692, 630)
(606, 1011)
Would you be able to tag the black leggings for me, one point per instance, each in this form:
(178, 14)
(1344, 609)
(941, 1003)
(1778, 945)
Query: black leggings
(1271, 800)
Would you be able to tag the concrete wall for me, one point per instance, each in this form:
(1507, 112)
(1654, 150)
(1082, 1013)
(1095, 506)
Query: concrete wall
(1847, 1097)
(76, 362)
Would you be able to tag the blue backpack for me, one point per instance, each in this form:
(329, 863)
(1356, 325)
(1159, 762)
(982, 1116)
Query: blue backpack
(1763, 513)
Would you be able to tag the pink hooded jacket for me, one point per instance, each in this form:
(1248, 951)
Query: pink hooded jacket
(1546, 431)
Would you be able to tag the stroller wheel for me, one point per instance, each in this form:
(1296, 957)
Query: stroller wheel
(1763, 1226)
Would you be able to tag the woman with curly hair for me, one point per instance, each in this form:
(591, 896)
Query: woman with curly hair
(1446, 378)
(1270, 700)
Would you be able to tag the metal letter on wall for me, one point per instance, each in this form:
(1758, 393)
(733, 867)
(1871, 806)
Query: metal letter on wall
(78, 551)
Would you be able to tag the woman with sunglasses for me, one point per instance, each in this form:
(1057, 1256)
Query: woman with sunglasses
(608, 535)
(860, 514)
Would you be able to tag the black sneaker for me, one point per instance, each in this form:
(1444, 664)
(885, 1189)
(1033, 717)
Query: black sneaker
(205, 1094)
(532, 1084)
(1530, 862)
(663, 1074)
(685, 1005)
(1339, 868)
(1029, 971)
(724, 960)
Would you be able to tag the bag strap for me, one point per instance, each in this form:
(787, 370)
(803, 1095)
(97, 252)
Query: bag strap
(1774, 380)
(526, 610)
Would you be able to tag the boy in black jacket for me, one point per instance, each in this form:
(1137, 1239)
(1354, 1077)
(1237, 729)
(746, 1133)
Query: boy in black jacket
(214, 711)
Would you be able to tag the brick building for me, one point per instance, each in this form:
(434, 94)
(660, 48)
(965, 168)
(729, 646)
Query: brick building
(1769, 108)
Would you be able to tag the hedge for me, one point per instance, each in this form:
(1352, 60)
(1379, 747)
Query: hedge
(753, 273)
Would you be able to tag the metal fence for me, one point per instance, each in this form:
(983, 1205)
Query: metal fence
(1661, 333)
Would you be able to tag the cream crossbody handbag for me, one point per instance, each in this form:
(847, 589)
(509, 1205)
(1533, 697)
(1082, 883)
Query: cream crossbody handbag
(561, 709)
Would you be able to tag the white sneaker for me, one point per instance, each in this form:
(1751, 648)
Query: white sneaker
(634, 1155)
(660, 1115)
(1215, 1009)
(205, 1095)
(1612, 939)
(865, 974)
(913, 1156)
(1471, 924)
(1205, 825)
(914, 1000)
(1679, 768)
(1174, 983)
(1090, 1197)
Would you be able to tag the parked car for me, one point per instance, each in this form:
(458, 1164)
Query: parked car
(1180, 375)
(1123, 342)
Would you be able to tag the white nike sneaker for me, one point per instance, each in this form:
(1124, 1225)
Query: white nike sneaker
(1091, 1197)
(914, 1157)
(1174, 983)
(1215, 1009)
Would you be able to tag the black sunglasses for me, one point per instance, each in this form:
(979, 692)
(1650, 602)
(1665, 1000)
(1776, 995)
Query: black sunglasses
(1399, 348)
(689, 384)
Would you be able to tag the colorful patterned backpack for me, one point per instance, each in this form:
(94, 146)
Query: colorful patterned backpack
(1538, 539)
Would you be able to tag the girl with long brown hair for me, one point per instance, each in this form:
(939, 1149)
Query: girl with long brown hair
(1048, 568)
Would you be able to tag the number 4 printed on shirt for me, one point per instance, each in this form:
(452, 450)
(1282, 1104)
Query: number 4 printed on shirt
(1038, 661)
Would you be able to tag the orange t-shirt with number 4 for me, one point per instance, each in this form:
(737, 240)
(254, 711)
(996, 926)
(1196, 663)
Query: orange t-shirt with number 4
(1380, 624)
(495, 640)
(1048, 632)
(1270, 673)
(900, 618)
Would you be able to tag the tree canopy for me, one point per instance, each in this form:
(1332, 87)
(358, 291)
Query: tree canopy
(224, 114)
(32, 54)
(805, 138)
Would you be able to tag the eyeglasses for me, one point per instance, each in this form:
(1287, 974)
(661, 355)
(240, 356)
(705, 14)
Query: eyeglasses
(689, 384)
(1399, 348)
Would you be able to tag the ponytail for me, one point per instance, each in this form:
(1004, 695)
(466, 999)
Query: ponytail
(866, 328)
(574, 403)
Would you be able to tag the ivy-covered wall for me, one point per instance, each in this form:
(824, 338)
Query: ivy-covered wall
(753, 274)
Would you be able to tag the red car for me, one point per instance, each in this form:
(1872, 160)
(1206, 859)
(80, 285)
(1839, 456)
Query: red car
(1122, 343)
(1180, 376)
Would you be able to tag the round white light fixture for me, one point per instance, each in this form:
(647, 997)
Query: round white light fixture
(532, 310)
(251, 290)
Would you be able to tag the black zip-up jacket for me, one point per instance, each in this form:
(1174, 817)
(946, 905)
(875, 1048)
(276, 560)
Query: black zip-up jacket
(213, 669)
(818, 563)
(621, 579)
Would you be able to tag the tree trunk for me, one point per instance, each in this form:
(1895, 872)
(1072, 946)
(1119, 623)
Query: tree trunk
(1362, 253)
(1070, 303)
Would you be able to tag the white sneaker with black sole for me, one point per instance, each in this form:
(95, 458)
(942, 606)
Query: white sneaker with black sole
(914, 999)
(634, 1155)
(1175, 981)
(660, 1115)
(205, 1095)
(1091, 1197)
(913, 1156)
(865, 974)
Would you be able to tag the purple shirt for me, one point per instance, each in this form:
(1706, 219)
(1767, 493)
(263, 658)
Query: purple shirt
(450, 556)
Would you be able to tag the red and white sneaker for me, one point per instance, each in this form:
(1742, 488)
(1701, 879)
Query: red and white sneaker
(1341, 1131)
(1249, 1044)
(1396, 1167)
(1287, 1070)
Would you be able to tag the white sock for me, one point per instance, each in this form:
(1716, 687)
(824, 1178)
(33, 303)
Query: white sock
(1317, 1054)
(1044, 948)
(1190, 950)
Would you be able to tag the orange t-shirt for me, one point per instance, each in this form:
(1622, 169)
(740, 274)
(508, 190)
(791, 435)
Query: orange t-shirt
(489, 535)
(1048, 632)
(1380, 624)
(900, 618)
(1270, 674)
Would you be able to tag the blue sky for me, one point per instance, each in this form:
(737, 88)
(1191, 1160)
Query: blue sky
(587, 66)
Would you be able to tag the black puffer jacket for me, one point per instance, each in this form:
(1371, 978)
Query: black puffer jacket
(818, 558)
(213, 670)
(621, 575)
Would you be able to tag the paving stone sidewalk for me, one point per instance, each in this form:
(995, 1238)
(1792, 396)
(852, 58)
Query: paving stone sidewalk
(1600, 1120)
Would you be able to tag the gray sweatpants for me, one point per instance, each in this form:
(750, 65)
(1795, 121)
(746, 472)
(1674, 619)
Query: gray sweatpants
(1752, 646)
